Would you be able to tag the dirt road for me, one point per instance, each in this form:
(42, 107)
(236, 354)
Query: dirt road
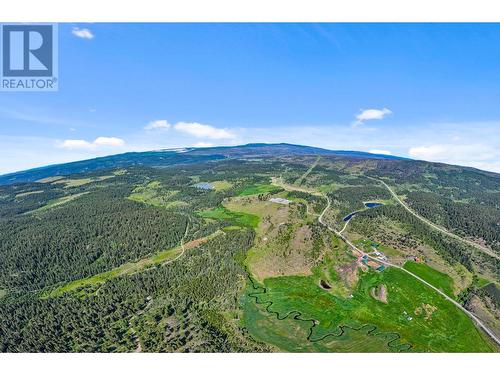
(436, 227)
(386, 263)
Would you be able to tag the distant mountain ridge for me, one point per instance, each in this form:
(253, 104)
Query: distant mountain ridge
(180, 156)
(283, 149)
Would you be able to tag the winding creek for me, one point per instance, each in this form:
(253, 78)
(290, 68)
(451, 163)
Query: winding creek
(297, 314)
(371, 330)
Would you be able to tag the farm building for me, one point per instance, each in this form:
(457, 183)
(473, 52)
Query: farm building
(280, 200)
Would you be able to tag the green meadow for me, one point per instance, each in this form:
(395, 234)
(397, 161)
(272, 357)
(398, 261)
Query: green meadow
(124, 269)
(438, 279)
(416, 318)
(241, 219)
(56, 202)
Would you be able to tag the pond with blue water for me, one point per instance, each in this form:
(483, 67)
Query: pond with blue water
(373, 204)
(367, 205)
(204, 186)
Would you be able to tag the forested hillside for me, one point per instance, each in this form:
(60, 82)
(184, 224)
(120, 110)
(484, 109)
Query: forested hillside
(221, 250)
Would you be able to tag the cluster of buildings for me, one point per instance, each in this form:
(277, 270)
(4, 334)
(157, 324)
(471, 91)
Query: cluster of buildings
(371, 263)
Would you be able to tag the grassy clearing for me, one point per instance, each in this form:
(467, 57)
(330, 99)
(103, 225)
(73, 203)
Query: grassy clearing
(338, 269)
(440, 280)
(153, 195)
(81, 283)
(104, 178)
(290, 335)
(241, 219)
(280, 184)
(47, 180)
(253, 206)
(75, 182)
(221, 185)
(56, 202)
(259, 189)
(419, 315)
(3, 293)
(389, 251)
(20, 195)
(231, 228)
(125, 269)
(285, 244)
(369, 246)
(482, 282)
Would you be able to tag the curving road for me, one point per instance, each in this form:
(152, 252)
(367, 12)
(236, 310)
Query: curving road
(436, 227)
(472, 316)
(339, 234)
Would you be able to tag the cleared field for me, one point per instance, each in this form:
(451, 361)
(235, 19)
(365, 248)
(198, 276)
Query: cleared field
(20, 195)
(237, 218)
(285, 244)
(440, 280)
(290, 335)
(56, 202)
(259, 189)
(47, 180)
(221, 185)
(153, 194)
(415, 313)
(75, 182)
(127, 268)
(370, 246)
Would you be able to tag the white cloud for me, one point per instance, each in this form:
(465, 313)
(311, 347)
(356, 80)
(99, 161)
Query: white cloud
(73, 144)
(475, 155)
(203, 131)
(82, 33)
(158, 125)
(192, 128)
(99, 142)
(203, 144)
(380, 152)
(109, 141)
(371, 114)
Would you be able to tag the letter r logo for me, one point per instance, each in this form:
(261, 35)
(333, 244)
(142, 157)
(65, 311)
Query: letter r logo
(27, 50)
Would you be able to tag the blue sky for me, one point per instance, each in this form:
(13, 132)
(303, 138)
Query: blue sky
(427, 91)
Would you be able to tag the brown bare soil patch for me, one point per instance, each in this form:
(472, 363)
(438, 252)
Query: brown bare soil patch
(348, 274)
(426, 310)
(285, 244)
(379, 293)
(195, 243)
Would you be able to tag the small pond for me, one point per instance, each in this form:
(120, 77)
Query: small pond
(367, 205)
(204, 186)
(373, 204)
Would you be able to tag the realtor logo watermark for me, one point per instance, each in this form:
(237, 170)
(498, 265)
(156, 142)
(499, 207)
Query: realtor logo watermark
(29, 59)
